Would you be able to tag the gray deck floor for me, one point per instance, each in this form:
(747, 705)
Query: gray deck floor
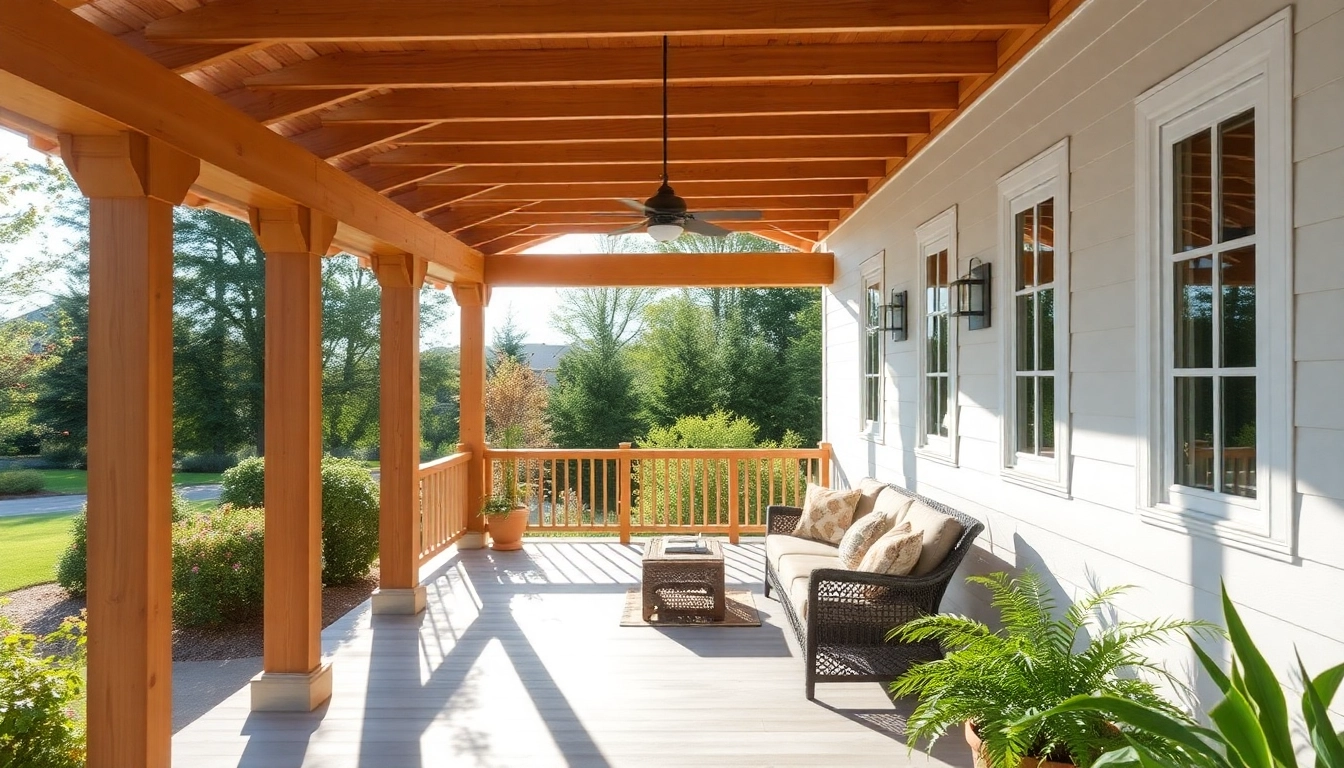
(520, 661)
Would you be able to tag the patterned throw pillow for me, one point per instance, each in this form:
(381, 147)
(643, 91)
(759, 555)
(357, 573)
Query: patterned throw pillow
(826, 513)
(861, 536)
(896, 553)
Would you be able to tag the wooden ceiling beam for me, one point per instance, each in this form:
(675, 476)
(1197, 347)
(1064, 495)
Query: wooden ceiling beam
(601, 228)
(332, 141)
(452, 220)
(232, 21)
(651, 128)
(527, 216)
(781, 204)
(387, 178)
(784, 238)
(691, 190)
(661, 270)
(650, 173)
(425, 199)
(548, 103)
(514, 243)
(615, 66)
(482, 234)
(75, 61)
(186, 58)
(274, 106)
(705, 150)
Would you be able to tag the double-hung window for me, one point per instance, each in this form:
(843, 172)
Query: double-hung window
(1215, 275)
(870, 423)
(937, 244)
(1034, 216)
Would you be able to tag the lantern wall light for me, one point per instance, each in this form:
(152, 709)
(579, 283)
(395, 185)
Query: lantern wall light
(893, 315)
(971, 294)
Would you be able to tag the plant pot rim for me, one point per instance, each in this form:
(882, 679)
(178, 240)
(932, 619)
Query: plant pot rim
(973, 739)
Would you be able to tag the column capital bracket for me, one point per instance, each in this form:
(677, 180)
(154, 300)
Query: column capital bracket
(292, 229)
(399, 270)
(128, 164)
(471, 294)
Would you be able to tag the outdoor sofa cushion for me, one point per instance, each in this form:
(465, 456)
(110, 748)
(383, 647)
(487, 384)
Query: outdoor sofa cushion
(826, 513)
(896, 553)
(941, 533)
(869, 489)
(862, 535)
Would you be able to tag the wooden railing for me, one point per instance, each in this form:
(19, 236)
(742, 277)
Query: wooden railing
(625, 491)
(443, 503)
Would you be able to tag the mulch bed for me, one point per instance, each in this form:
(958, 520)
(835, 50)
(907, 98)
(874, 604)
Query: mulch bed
(41, 609)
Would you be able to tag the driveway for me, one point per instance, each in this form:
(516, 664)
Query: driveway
(50, 505)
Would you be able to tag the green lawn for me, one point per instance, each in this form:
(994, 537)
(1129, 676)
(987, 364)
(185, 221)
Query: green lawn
(29, 548)
(76, 480)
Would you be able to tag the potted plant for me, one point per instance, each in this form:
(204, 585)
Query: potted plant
(990, 681)
(506, 514)
(1248, 728)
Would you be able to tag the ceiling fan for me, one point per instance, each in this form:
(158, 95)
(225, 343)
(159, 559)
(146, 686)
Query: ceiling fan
(665, 215)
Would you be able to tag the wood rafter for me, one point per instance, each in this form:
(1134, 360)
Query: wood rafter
(658, 270)
(650, 173)
(268, 107)
(782, 204)
(611, 226)
(452, 220)
(529, 217)
(705, 150)
(687, 189)
(610, 66)
(546, 103)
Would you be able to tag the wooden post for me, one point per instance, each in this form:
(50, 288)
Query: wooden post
(735, 504)
(293, 678)
(825, 470)
(399, 589)
(132, 183)
(472, 300)
(624, 497)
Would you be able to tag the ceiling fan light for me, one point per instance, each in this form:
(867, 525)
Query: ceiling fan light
(665, 233)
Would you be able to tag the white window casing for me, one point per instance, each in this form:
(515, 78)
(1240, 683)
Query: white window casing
(1040, 184)
(1250, 505)
(872, 348)
(935, 332)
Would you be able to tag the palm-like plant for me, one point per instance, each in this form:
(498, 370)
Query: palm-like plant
(996, 679)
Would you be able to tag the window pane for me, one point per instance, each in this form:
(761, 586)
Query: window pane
(1191, 168)
(933, 348)
(1026, 249)
(931, 283)
(874, 304)
(1047, 385)
(1026, 332)
(944, 402)
(932, 417)
(1237, 186)
(1239, 435)
(871, 386)
(943, 341)
(874, 360)
(1045, 243)
(942, 281)
(1194, 313)
(1238, 295)
(1194, 431)
(1046, 301)
(1026, 414)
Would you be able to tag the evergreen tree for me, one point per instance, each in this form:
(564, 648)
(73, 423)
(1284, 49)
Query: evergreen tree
(678, 361)
(440, 378)
(507, 344)
(62, 403)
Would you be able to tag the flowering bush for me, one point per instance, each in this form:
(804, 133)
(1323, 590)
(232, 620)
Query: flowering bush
(41, 722)
(217, 566)
(72, 570)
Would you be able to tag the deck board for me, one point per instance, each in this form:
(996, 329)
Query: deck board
(519, 660)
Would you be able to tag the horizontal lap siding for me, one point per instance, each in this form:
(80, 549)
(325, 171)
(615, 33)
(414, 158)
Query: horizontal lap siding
(1082, 84)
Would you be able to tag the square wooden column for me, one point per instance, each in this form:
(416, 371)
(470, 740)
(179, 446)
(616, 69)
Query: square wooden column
(132, 183)
(399, 591)
(293, 677)
(472, 299)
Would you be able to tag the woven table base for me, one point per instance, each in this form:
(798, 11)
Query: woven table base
(740, 611)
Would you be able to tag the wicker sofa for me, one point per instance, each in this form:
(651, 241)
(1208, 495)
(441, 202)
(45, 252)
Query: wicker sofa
(842, 619)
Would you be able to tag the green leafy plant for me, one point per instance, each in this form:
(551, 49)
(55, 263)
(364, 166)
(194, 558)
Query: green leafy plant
(1250, 726)
(72, 569)
(504, 497)
(20, 481)
(218, 560)
(41, 697)
(995, 680)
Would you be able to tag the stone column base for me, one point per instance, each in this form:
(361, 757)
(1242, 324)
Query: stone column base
(398, 602)
(291, 692)
(472, 540)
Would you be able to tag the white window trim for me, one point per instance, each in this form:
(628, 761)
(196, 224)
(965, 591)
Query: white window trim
(1253, 70)
(1041, 178)
(873, 270)
(932, 236)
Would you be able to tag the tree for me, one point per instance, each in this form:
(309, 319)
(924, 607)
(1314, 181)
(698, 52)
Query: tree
(351, 309)
(440, 379)
(62, 403)
(507, 343)
(516, 406)
(29, 195)
(23, 356)
(678, 360)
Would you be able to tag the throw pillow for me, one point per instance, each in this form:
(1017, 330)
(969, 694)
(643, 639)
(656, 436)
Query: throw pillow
(941, 533)
(868, 490)
(896, 553)
(826, 513)
(861, 536)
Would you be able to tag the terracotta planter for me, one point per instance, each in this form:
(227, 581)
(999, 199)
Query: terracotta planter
(973, 739)
(506, 531)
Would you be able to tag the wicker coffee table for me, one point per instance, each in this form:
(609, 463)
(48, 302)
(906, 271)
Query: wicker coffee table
(683, 583)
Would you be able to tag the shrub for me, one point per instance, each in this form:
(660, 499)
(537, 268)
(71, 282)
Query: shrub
(72, 569)
(349, 512)
(65, 454)
(218, 560)
(207, 462)
(40, 725)
(20, 481)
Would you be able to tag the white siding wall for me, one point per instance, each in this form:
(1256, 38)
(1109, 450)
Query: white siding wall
(1082, 83)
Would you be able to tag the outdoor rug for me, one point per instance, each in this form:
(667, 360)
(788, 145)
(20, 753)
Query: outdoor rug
(740, 611)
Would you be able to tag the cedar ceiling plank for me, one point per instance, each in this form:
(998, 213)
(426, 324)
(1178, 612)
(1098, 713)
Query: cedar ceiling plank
(403, 20)
(481, 234)
(687, 189)
(781, 204)
(730, 150)
(332, 141)
(185, 58)
(689, 128)
(452, 219)
(526, 216)
(385, 178)
(543, 103)
(424, 199)
(603, 228)
(513, 243)
(274, 106)
(645, 173)
(577, 66)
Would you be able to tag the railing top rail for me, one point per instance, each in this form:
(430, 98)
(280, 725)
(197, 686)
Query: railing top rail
(445, 462)
(654, 453)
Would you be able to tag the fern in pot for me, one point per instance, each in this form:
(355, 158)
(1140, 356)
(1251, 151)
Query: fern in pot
(989, 681)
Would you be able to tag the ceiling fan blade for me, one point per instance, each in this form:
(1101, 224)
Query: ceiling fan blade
(627, 230)
(634, 204)
(728, 215)
(622, 214)
(705, 228)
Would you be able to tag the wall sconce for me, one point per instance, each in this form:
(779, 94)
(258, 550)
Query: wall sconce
(893, 316)
(972, 296)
